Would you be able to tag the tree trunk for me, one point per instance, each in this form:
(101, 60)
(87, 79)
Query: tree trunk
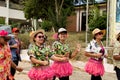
(34, 23)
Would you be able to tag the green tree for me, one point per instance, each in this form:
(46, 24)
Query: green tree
(35, 9)
(58, 16)
(97, 20)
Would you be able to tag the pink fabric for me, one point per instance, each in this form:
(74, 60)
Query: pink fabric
(94, 67)
(62, 69)
(3, 33)
(41, 73)
(55, 36)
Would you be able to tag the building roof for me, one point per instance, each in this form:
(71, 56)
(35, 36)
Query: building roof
(83, 2)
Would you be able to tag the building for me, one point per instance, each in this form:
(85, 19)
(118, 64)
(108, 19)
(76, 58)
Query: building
(114, 19)
(9, 13)
(78, 21)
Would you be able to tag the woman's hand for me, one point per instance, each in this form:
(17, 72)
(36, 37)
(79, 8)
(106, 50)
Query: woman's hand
(98, 55)
(106, 55)
(78, 47)
(64, 59)
(45, 63)
(19, 69)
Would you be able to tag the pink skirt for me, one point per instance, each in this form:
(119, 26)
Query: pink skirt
(41, 73)
(94, 67)
(62, 69)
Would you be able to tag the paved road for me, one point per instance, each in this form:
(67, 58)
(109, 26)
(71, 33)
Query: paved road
(78, 73)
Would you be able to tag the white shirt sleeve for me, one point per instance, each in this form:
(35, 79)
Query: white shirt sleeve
(87, 49)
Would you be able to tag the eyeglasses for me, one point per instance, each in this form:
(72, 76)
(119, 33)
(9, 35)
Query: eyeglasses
(40, 36)
(17, 31)
(100, 33)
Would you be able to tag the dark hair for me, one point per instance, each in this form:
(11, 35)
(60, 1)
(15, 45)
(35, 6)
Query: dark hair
(62, 32)
(94, 37)
(118, 37)
(6, 38)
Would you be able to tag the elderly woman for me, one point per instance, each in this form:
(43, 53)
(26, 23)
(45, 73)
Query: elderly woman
(39, 55)
(62, 54)
(6, 57)
(116, 56)
(96, 53)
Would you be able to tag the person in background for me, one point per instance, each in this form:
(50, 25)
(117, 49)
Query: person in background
(39, 55)
(62, 54)
(15, 47)
(31, 33)
(5, 57)
(116, 56)
(96, 53)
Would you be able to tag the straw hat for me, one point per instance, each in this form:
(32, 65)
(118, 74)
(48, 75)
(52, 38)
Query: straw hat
(36, 32)
(96, 30)
(31, 33)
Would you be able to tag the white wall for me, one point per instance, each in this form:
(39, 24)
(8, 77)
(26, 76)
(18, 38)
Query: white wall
(15, 14)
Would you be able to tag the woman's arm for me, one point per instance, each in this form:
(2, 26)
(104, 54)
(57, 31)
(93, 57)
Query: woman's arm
(36, 61)
(94, 55)
(14, 46)
(116, 57)
(16, 67)
(55, 58)
(76, 51)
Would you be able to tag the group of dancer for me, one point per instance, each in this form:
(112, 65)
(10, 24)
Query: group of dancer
(59, 53)
(40, 55)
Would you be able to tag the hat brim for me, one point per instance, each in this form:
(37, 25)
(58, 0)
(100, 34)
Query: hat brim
(36, 32)
(102, 31)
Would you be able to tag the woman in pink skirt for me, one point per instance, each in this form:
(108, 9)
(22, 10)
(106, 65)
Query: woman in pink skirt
(62, 53)
(96, 51)
(39, 55)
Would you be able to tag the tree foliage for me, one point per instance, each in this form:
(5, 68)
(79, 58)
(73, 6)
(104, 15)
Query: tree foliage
(97, 20)
(56, 11)
(58, 16)
(36, 8)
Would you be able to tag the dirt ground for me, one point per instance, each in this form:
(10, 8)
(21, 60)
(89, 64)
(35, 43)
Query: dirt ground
(78, 74)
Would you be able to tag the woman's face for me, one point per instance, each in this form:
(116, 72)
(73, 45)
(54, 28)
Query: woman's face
(62, 36)
(39, 38)
(99, 35)
(2, 40)
(16, 33)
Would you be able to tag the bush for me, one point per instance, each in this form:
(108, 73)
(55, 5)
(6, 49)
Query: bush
(2, 21)
(96, 20)
(25, 39)
(46, 25)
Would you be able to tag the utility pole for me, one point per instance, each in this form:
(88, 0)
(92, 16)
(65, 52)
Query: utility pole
(7, 16)
(86, 38)
(107, 32)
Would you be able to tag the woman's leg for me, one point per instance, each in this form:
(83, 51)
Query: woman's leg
(54, 77)
(13, 71)
(117, 73)
(64, 78)
(96, 77)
